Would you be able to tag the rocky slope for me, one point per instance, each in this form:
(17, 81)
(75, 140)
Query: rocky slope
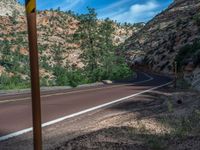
(9, 7)
(55, 33)
(157, 45)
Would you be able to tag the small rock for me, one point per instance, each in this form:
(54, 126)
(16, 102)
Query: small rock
(179, 101)
(107, 81)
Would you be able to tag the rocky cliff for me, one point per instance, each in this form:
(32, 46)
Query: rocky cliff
(10, 7)
(157, 45)
(55, 36)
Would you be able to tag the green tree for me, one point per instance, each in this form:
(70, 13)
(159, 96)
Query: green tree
(89, 38)
(107, 48)
(59, 71)
(99, 56)
(6, 54)
(114, 66)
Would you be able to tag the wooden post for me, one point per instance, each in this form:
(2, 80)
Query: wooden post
(34, 67)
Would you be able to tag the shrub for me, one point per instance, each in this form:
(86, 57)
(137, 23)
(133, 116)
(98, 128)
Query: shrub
(189, 52)
(197, 19)
(14, 82)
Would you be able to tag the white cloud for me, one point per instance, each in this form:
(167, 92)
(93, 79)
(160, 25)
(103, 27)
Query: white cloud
(141, 8)
(138, 12)
(110, 10)
(115, 5)
(69, 4)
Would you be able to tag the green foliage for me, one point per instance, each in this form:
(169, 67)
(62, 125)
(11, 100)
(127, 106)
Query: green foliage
(191, 52)
(197, 19)
(14, 17)
(72, 77)
(77, 77)
(99, 56)
(170, 106)
(120, 70)
(88, 36)
(14, 82)
(155, 143)
(13, 60)
(182, 84)
(61, 76)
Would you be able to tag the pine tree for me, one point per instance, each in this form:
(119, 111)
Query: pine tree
(106, 31)
(99, 57)
(88, 36)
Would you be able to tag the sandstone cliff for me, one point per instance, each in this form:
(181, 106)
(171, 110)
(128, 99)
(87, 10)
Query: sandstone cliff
(9, 7)
(157, 45)
(55, 33)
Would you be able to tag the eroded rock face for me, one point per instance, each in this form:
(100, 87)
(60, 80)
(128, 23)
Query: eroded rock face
(9, 7)
(162, 37)
(55, 32)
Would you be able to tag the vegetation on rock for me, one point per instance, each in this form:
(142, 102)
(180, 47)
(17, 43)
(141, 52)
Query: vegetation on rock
(71, 52)
(189, 53)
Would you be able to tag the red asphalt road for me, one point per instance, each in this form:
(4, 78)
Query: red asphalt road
(16, 113)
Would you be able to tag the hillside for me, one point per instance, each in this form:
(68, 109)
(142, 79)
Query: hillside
(10, 7)
(56, 30)
(157, 45)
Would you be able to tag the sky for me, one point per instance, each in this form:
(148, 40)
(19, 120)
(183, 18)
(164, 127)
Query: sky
(131, 11)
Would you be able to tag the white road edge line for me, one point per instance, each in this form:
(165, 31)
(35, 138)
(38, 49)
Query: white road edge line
(79, 91)
(79, 113)
(72, 115)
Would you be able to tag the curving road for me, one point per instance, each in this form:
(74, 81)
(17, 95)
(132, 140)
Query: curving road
(59, 105)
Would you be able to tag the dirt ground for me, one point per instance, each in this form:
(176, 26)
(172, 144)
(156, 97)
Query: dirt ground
(163, 119)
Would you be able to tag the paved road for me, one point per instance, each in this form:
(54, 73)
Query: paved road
(15, 109)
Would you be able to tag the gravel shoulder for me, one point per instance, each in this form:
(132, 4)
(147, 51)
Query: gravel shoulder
(163, 119)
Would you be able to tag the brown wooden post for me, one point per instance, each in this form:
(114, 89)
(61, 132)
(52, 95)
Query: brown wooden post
(34, 67)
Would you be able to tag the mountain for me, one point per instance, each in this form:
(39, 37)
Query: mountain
(165, 37)
(9, 7)
(55, 35)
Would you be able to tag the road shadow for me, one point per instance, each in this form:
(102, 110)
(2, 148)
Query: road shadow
(152, 121)
(127, 138)
(22, 142)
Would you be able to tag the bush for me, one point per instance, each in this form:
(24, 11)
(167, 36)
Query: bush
(189, 52)
(116, 71)
(14, 82)
(77, 77)
(72, 77)
(197, 19)
(121, 72)
(61, 76)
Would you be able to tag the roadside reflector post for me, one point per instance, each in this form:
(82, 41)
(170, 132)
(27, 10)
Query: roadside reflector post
(34, 68)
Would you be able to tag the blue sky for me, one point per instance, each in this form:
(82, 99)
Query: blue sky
(132, 11)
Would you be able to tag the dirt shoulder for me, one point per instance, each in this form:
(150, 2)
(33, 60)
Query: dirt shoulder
(163, 119)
